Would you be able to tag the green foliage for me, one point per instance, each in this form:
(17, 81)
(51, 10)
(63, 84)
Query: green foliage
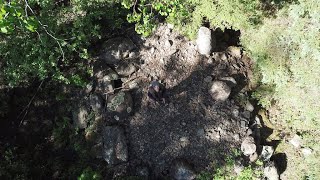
(58, 38)
(12, 18)
(147, 13)
(236, 14)
(286, 50)
(89, 174)
(226, 171)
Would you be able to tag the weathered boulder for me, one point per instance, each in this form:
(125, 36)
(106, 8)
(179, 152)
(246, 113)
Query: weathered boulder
(116, 49)
(105, 84)
(96, 103)
(182, 170)
(204, 41)
(234, 51)
(120, 104)
(114, 145)
(249, 107)
(270, 172)
(248, 146)
(125, 68)
(219, 91)
(266, 152)
(231, 82)
(80, 116)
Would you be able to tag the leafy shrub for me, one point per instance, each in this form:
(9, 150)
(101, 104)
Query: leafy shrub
(44, 39)
(145, 13)
(286, 50)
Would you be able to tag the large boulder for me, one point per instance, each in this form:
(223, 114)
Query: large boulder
(116, 49)
(248, 146)
(115, 149)
(219, 91)
(96, 103)
(120, 104)
(80, 116)
(87, 111)
(204, 41)
(182, 170)
(125, 68)
(271, 172)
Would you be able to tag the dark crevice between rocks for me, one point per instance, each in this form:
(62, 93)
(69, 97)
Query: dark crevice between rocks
(225, 38)
(118, 83)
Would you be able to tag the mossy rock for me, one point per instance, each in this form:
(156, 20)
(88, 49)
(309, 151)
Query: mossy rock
(120, 105)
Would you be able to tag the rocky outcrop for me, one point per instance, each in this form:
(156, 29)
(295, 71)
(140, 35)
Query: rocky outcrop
(114, 145)
(116, 49)
(120, 104)
(248, 146)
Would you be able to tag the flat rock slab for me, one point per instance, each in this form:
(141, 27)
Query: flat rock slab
(115, 149)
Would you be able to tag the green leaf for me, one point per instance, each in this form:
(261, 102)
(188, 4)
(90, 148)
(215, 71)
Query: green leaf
(4, 30)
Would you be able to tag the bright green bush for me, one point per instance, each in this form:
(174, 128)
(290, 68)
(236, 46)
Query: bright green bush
(146, 14)
(44, 39)
(286, 50)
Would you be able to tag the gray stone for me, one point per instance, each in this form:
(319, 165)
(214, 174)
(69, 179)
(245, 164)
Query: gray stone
(125, 69)
(246, 114)
(182, 170)
(219, 91)
(223, 56)
(96, 103)
(306, 151)
(249, 107)
(80, 116)
(235, 112)
(116, 49)
(114, 145)
(270, 172)
(229, 80)
(253, 157)
(248, 146)
(249, 132)
(243, 124)
(295, 141)
(200, 132)
(133, 85)
(120, 104)
(234, 51)
(236, 137)
(208, 79)
(204, 43)
(266, 152)
(184, 141)
(104, 85)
